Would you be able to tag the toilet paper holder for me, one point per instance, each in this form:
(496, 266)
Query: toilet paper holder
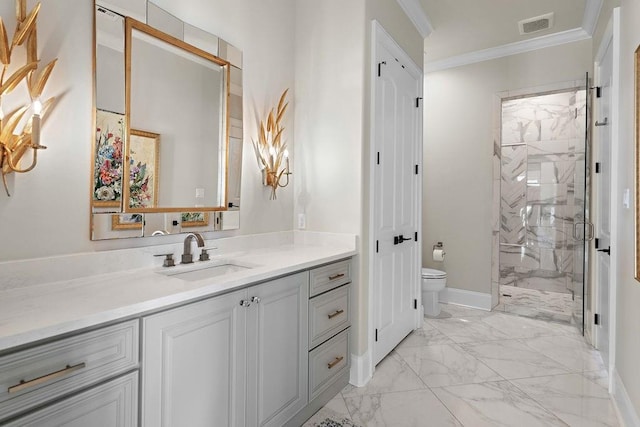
(438, 252)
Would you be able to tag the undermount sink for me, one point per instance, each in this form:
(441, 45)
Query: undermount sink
(204, 272)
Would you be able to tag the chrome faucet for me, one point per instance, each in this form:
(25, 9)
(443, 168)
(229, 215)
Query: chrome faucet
(187, 257)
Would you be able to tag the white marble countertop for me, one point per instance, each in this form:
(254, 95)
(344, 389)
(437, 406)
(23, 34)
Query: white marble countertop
(34, 313)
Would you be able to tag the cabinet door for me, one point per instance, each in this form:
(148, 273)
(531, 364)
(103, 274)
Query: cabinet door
(113, 404)
(277, 350)
(194, 364)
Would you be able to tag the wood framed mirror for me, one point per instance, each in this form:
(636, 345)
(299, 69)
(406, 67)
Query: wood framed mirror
(127, 118)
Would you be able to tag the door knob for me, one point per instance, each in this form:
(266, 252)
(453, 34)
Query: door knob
(255, 300)
(244, 303)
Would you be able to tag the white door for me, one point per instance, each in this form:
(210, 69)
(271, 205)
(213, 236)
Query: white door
(603, 187)
(193, 362)
(396, 145)
(277, 350)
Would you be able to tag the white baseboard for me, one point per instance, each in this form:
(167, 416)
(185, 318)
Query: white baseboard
(361, 370)
(472, 299)
(626, 412)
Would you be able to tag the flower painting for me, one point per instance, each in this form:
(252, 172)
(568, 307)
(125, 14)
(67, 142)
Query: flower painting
(107, 176)
(143, 169)
(194, 219)
(127, 222)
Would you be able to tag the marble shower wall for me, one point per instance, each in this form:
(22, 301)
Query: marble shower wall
(542, 190)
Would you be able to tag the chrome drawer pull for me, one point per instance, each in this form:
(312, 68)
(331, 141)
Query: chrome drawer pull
(335, 362)
(336, 313)
(337, 276)
(43, 379)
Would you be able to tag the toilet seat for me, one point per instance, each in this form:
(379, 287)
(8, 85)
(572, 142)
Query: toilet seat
(430, 273)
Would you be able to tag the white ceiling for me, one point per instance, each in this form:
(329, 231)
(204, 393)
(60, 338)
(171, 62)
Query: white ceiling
(463, 26)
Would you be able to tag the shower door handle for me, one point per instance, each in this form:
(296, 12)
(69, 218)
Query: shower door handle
(588, 235)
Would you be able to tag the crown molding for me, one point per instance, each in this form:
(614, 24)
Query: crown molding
(589, 21)
(591, 14)
(413, 9)
(556, 39)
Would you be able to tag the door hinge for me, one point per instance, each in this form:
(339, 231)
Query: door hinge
(596, 319)
(597, 241)
(376, 335)
(418, 99)
(416, 236)
(415, 304)
(377, 246)
(380, 67)
(417, 169)
(597, 167)
(576, 114)
(598, 91)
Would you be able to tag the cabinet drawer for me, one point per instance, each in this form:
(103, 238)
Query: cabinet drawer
(328, 314)
(36, 375)
(330, 276)
(328, 361)
(113, 404)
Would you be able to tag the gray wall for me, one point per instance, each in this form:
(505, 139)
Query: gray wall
(458, 148)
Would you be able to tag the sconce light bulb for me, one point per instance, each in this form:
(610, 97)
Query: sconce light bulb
(286, 154)
(37, 107)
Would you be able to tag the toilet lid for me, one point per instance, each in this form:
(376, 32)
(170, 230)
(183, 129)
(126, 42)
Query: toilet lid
(433, 274)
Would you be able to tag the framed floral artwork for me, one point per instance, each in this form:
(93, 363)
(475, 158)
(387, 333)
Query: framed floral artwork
(107, 171)
(127, 222)
(194, 219)
(143, 169)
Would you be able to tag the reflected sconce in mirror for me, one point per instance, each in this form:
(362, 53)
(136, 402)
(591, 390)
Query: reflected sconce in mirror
(271, 151)
(16, 141)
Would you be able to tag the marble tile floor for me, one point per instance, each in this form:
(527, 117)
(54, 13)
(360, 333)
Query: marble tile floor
(554, 306)
(479, 368)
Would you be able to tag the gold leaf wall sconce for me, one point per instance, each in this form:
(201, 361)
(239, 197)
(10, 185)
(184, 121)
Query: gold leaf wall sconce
(20, 128)
(271, 149)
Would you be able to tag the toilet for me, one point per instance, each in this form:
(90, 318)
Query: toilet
(433, 281)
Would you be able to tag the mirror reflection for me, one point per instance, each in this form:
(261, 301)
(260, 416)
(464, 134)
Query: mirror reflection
(169, 119)
(176, 92)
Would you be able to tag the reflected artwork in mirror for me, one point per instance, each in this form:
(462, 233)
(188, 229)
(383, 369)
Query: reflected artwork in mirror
(168, 116)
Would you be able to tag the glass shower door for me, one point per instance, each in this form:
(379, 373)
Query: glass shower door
(583, 229)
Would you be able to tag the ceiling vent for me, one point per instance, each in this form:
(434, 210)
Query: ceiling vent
(533, 25)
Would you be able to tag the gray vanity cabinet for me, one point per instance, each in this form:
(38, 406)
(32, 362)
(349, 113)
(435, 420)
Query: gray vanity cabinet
(198, 358)
(73, 381)
(277, 340)
(193, 360)
(112, 404)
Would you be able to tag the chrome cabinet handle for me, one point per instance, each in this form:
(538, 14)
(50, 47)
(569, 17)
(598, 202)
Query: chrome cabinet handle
(337, 276)
(335, 362)
(336, 313)
(45, 378)
(244, 303)
(255, 299)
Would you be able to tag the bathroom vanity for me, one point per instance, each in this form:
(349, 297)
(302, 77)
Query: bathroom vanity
(266, 345)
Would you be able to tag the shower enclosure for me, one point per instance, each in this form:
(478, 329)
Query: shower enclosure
(543, 205)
